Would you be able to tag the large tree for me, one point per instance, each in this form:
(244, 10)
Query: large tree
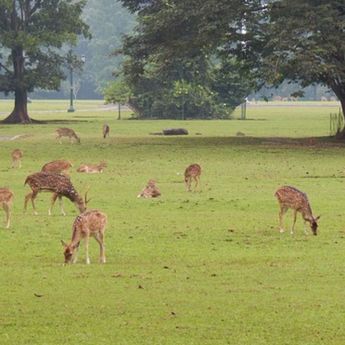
(32, 33)
(305, 42)
(265, 40)
(173, 62)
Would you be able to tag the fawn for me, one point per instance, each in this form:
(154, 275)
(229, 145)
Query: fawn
(290, 197)
(59, 185)
(92, 168)
(150, 191)
(17, 158)
(193, 171)
(6, 199)
(106, 130)
(57, 167)
(67, 132)
(89, 223)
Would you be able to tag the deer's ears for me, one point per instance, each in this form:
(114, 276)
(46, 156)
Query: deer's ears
(63, 243)
(317, 218)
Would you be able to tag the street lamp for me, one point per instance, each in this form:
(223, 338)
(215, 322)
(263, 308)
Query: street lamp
(71, 66)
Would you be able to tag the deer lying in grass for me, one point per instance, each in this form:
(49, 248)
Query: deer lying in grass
(150, 191)
(67, 132)
(106, 130)
(17, 158)
(290, 197)
(89, 223)
(57, 167)
(92, 168)
(59, 185)
(6, 199)
(193, 171)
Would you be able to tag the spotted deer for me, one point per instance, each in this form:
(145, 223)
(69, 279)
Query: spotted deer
(17, 156)
(106, 130)
(290, 197)
(67, 132)
(193, 171)
(150, 191)
(89, 223)
(6, 200)
(92, 168)
(57, 167)
(59, 185)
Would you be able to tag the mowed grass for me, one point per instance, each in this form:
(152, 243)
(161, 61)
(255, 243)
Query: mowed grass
(189, 268)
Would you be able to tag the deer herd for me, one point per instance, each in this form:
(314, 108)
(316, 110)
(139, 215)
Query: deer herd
(54, 178)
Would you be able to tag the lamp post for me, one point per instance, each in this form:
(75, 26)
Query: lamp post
(71, 95)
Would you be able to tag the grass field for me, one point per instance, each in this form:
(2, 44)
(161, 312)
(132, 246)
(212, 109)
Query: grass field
(189, 268)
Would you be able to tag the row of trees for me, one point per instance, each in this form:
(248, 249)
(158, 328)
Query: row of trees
(203, 57)
(196, 58)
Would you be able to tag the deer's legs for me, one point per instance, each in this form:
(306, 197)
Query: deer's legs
(100, 239)
(31, 196)
(61, 206)
(281, 214)
(19, 164)
(58, 137)
(188, 184)
(294, 221)
(75, 256)
(87, 249)
(305, 228)
(54, 197)
(197, 182)
(6, 208)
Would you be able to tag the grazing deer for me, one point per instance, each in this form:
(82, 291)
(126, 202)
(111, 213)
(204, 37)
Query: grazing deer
(106, 130)
(67, 132)
(6, 199)
(17, 158)
(192, 172)
(57, 167)
(92, 168)
(290, 197)
(89, 223)
(59, 185)
(150, 191)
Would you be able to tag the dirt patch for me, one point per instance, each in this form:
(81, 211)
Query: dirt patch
(14, 137)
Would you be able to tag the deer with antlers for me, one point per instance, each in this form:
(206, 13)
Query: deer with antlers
(150, 191)
(89, 223)
(17, 156)
(6, 199)
(57, 167)
(290, 197)
(193, 171)
(59, 185)
(106, 130)
(92, 168)
(67, 132)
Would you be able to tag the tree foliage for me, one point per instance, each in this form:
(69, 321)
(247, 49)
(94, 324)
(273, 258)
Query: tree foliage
(232, 46)
(305, 42)
(32, 33)
(177, 43)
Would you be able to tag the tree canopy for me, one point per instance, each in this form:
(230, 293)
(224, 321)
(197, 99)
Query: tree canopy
(233, 47)
(32, 33)
(175, 45)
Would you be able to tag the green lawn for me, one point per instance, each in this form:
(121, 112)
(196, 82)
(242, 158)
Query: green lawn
(189, 268)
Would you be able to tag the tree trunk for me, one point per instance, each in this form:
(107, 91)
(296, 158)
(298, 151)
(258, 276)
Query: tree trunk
(119, 111)
(341, 134)
(19, 113)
